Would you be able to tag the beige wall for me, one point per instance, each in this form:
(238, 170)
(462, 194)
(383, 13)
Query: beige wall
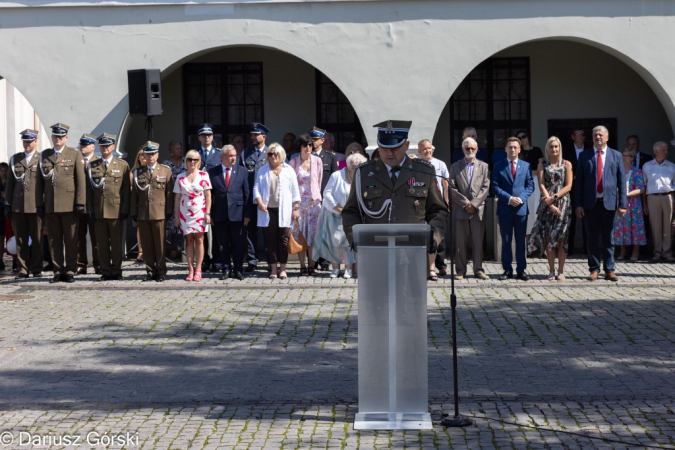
(571, 80)
(288, 90)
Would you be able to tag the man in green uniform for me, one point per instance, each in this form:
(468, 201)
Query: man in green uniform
(395, 189)
(65, 196)
(108, 197)
(151, 204)
(87, 147)
(24, 205)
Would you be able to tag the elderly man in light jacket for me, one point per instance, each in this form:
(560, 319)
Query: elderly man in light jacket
(469, 187)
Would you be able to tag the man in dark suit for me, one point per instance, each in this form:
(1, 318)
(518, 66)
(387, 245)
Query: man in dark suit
(600, 187)
(512, 184)
(230, 211)
(633, 143)
(571, 154)
(253, 158)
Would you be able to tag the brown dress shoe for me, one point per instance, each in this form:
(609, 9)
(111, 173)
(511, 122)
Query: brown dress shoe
(611, 276)
(593, 276)
(442, 272)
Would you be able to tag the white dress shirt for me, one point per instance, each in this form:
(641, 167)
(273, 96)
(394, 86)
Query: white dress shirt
(659, 178)
(604, 160)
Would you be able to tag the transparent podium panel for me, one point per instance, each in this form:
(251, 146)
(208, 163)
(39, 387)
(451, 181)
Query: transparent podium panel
(392, 305)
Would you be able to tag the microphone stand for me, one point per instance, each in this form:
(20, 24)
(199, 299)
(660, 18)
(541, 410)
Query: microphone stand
(457, 420)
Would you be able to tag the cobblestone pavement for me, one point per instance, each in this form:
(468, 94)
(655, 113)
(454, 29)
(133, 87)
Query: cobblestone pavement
(273, 364)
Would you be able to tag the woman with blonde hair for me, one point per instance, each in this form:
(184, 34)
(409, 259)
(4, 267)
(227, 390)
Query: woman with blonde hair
(192, 211)
(552, 225)
(277, 195)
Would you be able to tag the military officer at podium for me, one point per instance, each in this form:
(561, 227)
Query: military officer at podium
(24, 205)
(65, 196)
(395, 189)
(151, 204)
(108, 196)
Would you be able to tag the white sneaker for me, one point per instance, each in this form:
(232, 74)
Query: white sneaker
(348, 274)
(335, 273)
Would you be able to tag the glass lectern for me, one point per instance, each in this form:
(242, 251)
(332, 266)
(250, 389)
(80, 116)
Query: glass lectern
(392, 302)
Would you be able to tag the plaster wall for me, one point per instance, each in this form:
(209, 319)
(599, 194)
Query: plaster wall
(17, 114)
(392, 59)
(288, 90)
(566, 85)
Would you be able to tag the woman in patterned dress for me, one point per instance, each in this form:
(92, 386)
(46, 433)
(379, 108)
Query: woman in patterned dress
(309, 171)
(173, 233)
(192, 207)
(630, 229)
(551, 227)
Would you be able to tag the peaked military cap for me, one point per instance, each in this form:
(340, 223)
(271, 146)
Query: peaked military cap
(150, 147)
(392, 133)
(87, 139)
(28, 135)
(259, 128)
(60, 129)
(107, 139)
(317, 133)
(205, 128)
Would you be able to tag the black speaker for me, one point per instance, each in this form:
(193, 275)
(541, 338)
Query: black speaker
(145, 92)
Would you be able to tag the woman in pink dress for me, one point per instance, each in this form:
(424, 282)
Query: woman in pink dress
(191, 211)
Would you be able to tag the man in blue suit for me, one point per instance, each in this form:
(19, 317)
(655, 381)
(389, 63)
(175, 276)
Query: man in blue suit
(600, 187)
(230, 211)
(253, 158)
(512, 184)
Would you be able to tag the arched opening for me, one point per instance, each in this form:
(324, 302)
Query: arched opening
(17, 114)
(234, 86)
(549, 87)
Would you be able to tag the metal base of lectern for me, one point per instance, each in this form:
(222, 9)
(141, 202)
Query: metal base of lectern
(393, 421)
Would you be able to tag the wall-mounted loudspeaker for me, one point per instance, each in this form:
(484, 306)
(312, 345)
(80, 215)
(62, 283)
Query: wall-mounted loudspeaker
(145, 92)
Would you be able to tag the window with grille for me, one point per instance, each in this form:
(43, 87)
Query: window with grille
(335, 114)
(494, 99)
(227, 95)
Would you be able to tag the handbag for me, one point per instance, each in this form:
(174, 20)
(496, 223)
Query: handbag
(299, 246)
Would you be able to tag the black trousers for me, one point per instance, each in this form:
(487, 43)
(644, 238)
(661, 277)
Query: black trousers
(277, 239)
(230, 238)
(599, 223)
(251, 235)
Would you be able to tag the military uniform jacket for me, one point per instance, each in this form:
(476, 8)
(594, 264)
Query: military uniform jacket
(152, 197)
(25, 194)
(64, 181)
(253, 160)
(414, 198)
(91, 159)
(108, 190)
(329, 164)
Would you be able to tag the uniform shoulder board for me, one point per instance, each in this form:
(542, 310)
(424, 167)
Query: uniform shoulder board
(165, 166)
(421, 161)
(367, 163)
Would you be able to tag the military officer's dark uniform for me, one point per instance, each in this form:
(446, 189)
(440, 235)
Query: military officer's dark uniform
(65, 196)
(253, 159)
(151, 204)
(85, 223)
(108, 202)
(328, 159)
(411, 198)
(24, 205)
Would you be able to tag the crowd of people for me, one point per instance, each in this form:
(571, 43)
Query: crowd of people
(221, 206)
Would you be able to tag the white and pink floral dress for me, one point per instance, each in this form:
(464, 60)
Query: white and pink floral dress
(192, 202)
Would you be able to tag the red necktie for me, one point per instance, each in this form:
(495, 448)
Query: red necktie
(227, 177)
(599, 172)
(513, 169)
